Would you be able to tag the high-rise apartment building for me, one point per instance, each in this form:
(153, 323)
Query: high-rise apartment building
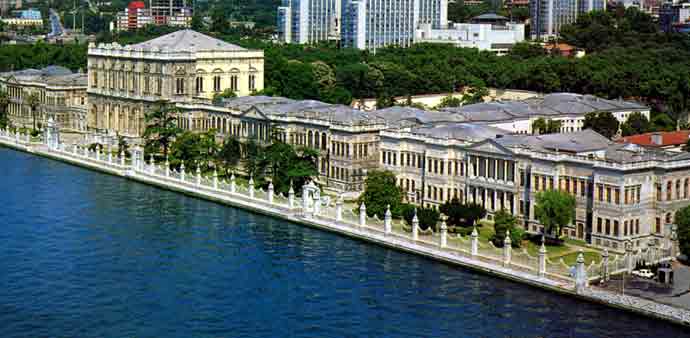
(585, 6)
(363, 24)
(308, 21)
(136, 15)
(371, 24)
(548, 16)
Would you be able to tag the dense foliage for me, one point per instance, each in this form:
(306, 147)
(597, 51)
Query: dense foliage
(462, 215)
(504, 222)
(554, 209)
(427, 217)
(603, 123)
(683, 230)
(381, 191)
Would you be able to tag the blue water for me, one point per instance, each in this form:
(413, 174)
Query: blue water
(84, 254)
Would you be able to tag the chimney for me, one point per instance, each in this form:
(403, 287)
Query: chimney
(657, 139)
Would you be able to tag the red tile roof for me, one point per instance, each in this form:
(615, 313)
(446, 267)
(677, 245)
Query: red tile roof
(670, 138)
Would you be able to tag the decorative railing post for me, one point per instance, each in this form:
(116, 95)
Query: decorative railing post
(16, 137)
(182, 172)
(542, 258)
(362, 215)
(215, 178)
(233, 183)
(270, 193)
(507, 249)
(110, 154)
(475, 242)
(387, 220)
(198, 174)
(167, 166)
(605, 265)
(291, 196)
(339, 209)
(415, 226)
(122, 158)
(580, 274)
(444, 231)
(28, 138)
(251, 187)
(629, 256)
(98, 153)
(317, 204)
(152, 164)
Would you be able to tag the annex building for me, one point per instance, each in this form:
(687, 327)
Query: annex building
(61, 95)
(184, 66)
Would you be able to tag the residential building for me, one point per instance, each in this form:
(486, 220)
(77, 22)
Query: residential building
(497, 36)
(8, 5)
(136, 16)
(586, 6)
(184, 66)
(372, 24)
(667, 140)
(308, 21)
(548, 16)
(61, 94)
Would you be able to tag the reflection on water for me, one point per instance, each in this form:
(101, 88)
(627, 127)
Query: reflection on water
(89, 255)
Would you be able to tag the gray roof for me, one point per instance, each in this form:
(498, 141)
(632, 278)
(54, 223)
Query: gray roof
(403, 116)
(187, 40)
(489, 16)
(307, 109)
(468, 132)
(550, 105)
(51, 75)
(575, 142)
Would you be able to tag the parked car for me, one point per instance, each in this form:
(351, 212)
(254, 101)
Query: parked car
(643, 273)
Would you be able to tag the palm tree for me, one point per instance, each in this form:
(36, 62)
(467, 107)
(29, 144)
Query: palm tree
(4, 103)
(34, 102)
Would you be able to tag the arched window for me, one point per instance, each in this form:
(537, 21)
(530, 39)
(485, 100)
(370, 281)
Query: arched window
(199, 84)
(669, 189)
(669, 218)
(678, 189)
(686, 188)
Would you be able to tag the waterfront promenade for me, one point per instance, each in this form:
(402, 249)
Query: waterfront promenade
(518, 266)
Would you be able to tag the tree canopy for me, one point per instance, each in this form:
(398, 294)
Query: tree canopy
(603, 123)
(554, 209)
(380, 191)
(683, 230)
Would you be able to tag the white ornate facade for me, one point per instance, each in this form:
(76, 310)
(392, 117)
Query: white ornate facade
(61, 94)
(184, 66)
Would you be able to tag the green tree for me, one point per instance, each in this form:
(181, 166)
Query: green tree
(380, 191)
(554, 209)
(4, 103)
(635, 124)
(683, 230)
(427, 217)
(455, 212)
(450, 101)
(663, 122)
(161, 126)
(603, 123)
(230, 153)
(503, 222)
(475, 94)
(225, 94)
(34, 102)
(122, 146)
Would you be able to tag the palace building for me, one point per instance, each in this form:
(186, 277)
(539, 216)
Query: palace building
(61, 95)
(180, 67)
(624, 192)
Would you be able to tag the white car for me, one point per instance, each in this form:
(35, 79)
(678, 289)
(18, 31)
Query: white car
(643, 273)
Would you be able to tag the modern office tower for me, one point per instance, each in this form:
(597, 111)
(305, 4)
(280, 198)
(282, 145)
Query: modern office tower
(308, 21)
(371, 24)
(163, 9)
(585, 6)
(548, 16)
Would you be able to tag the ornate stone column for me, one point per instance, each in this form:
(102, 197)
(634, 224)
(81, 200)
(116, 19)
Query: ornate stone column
(233, 183)
(362, 215)
(182, 172)
(251, 187)
(415, 226)
(605, 265)
(444, 231)
(507, 249)
(215, 178)
(387, 220)
(581, 281)
(475, 242)
(291, 196)
(198, 174)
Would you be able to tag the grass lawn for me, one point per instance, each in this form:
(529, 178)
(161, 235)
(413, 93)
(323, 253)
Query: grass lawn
(590, 256)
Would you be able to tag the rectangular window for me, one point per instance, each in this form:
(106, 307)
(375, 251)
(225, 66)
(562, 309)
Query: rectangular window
(216, 83)
(199, 85)
(608, 226)
(599, 225)
(252, 82)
